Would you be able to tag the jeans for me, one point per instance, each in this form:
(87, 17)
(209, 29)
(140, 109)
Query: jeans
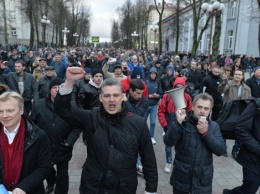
(251, 183)
(152, 110)
(236, 147)
(62, 178)
(138, 163)
(168, 152)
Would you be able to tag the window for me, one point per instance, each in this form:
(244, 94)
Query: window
(13, 31)
(12, 15)
(233, 9)
(230, 39)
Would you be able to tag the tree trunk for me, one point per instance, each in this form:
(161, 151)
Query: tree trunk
(31, 24)
(177, 26)
(5, 26)
(216, 37)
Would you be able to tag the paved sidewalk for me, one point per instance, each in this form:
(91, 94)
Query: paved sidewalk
(227, 172)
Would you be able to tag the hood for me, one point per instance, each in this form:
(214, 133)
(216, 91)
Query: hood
(170, 67)
(153, 69)
(179, 80)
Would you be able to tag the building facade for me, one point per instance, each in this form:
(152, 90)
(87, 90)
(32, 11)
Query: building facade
(239, 30)
(18, 26)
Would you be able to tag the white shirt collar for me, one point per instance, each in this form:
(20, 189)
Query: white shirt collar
(11, 135)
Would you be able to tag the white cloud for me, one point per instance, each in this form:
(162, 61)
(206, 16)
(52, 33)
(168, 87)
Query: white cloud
(102, 13)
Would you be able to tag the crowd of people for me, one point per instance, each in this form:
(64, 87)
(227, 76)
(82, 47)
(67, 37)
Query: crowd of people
(52, 95)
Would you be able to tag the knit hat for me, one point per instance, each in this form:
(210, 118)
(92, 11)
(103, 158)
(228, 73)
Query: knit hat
(256, 68)
(55, 82)
(87, 70)
(170, 67)
(95, 71)
(117, 66)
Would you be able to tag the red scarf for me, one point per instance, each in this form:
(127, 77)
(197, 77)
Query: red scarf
(13, 165)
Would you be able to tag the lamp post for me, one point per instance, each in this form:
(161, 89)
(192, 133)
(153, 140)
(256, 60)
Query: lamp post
(76, 36)
(154, 29)
(212, 9)
(65, 31)
(44, 22)
(134, 35)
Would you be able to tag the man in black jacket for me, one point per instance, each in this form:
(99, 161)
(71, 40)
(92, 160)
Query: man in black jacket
(62, 137)
(25, 151)
(195, 138)
(248, 133)
(114, 138)
(254, 83)
(210, 85)
(24, 84)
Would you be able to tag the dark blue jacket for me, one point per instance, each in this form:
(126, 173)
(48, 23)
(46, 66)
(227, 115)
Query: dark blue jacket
(193, 163)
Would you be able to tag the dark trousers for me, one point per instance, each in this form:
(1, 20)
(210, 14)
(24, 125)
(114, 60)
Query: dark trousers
(251, 183)
(27, 107)
(61, 180)
(215, 111)
(176, 191)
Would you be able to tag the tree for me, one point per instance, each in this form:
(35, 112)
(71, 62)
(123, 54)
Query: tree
(115, 33)
(197, 15)
(160, 12)
(5, 25)
(177, 25)
(216, 37)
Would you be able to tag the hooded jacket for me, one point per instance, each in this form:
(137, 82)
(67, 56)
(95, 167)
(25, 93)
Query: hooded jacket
(154, 86)
(167, 109)
(167, 81)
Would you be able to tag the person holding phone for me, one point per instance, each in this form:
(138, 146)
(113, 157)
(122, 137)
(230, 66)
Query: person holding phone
(117, 70)
(195, 141)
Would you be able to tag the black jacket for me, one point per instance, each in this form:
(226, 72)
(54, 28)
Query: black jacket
(254, 86)
(195, 77)
(89, 97)
(193, 164)
(113, 143)
(30, 86)
(77, 97)
(57, 129)
(137, 107)
(36, 160)
(211, 83)
(248, 132)
(43, 86)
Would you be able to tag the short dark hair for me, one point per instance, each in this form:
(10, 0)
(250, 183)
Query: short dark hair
(136, 84)
(111, 82)
(20, 61)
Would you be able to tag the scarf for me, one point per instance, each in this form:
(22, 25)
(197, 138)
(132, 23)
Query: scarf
(13, 165)
(93, 84)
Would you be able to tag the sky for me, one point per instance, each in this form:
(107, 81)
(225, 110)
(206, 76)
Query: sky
(102, 13)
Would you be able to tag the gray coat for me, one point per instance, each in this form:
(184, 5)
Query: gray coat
(230, 91)
(193, 164)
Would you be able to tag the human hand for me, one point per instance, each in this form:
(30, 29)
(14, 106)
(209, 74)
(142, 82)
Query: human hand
(18, 191)
(151, 95)
(74, 73)
(180, 115)
(125, 98)
(202, 126)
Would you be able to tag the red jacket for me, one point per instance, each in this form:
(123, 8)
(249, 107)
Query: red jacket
(167, 108)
